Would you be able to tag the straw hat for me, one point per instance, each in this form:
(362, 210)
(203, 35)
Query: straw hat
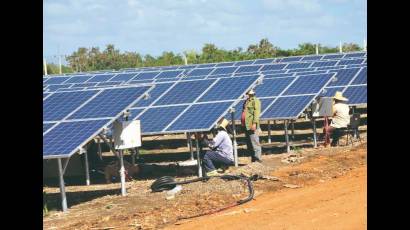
(223, 123)
(339, 96)
(251, 92)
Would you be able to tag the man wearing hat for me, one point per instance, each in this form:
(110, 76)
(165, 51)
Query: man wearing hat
(341, 117)
(250, 121)
(221, 152)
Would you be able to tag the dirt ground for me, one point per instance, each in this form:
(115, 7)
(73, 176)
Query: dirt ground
(330, 193)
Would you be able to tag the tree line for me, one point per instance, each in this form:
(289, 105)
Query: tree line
(92, 59)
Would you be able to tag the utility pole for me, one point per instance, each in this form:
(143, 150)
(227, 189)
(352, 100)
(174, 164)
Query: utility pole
(59, 62)
(317, 49)
(45, 66)
(340, 47)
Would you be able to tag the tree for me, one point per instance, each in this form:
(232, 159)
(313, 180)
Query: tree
(264, 49)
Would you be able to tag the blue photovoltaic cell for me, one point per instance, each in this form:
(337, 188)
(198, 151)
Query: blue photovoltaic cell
(109, 102)
(154, 94)
(200, 72)
(83, 85)
(361, 77)
(272, 87)
(344, 76)
(278, 75)
(351, 62)
(200, 117)
(45, 95)
(273, 71)
(109, 83)
(101, 78)
(290, 59)
(53, 88)
(330, 92)
(331, 67)
(56, 80)
(200, 77)
(245, 74)
(239, 63)
(169, 68)
(139, 82)
(273, 67)
(123, 77)
(217, 76)
(59, 105)
(311, 58)
(300, 70)
(78, 79)
(224, 70)
(134, 113)
(263, 61)
(187, 67)
(146, 76)
(324, 63)
(184, 92)
(238, 108)
(308, 84)
(225, 64)
(287, 107)
(332, 56)
(154, 120)
(251, 68)
(167, 80)
(66, 137)
(70, 89)
(356, 95)
(205, 65)
(299, 65)
(47, 126)
(350, 55)
(228, 88)
(310, 72)
(169, 74)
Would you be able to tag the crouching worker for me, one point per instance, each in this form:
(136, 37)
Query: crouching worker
(221, 150)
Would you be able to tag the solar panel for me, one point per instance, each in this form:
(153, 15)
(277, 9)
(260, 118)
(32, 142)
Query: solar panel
(225, 64)
(72, 89)
(361, 77)
(199, 117)
(330, 92)
(134, 113)
(351, 62)
(272, 87)
(123, 77)
(268, 76)
(184, 92)
(45, 95)
(311, 58)
(324, 63)
(79, 85)
(66, 137)
(273, 67)
(308, 84)
(187, 67)
(351, 55)
(294, 106)
(56, 80)
(298, 65)
(59, 105)
(273, 71)
(154, 120)
(290, 59)
(330, 67)
(356, 94)
(146, 76)
(154, 94)
(169, 74)
(200, 72)
(344, 76)
(113, 83)
(109, 102)
(300, 70)
(310, 72)
(224, 70)
(78, 79)
(333, 56)
(248, 62)
(228, 88)
(250, 68)
(206, 65)
(263, 61)
(101, 78)
(47, 126)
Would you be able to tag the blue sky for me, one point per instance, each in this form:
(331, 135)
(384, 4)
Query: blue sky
(154, 26)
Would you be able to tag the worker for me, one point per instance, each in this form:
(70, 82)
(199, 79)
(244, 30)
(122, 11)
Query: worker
(221, 150)
(250, 121)
(340, 118)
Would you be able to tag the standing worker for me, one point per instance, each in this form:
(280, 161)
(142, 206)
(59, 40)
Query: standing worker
(340, 118)
(251, 111)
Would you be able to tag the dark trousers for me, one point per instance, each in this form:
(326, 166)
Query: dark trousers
(253, 145)
(213, 159)
(335, 134)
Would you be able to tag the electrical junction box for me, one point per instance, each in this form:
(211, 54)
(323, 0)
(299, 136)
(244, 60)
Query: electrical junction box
(127, 134)
(323, 108)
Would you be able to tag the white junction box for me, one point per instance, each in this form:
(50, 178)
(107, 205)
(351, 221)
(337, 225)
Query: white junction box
(323, 108)
(127, 134)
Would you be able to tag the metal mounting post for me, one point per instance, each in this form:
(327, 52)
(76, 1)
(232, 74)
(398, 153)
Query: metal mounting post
(87, 170)
(62, 187)
(269, 137)
(287, 136)
(235, 145)
(99, 148)
(190, 146)
(133, 153)
(122, 174)
(314, 133)
(292, 125)
(198, 157)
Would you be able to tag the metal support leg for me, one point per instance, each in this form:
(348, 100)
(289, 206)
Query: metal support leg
(190, 146)
(62, 187)
(87, 171)
(133, 153)
(99, 148)
(269, 137)
(122, 174)
(314, 133)
(287, 136)
(292, 124)
(235, 145)
(198, 158)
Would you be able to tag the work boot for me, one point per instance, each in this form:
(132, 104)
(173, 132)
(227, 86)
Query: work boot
(212, 173)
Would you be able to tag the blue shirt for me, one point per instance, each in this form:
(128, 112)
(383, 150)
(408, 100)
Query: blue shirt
(223, 144)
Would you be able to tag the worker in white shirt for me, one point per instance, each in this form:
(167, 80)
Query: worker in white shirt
(340, 119)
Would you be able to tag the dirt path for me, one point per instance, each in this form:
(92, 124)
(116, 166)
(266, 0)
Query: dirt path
(335, 204)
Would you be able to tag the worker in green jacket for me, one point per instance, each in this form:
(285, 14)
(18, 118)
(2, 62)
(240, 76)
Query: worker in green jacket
(250, 121)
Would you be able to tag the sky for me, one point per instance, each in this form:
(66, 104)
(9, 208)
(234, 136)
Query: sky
(155, 26)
